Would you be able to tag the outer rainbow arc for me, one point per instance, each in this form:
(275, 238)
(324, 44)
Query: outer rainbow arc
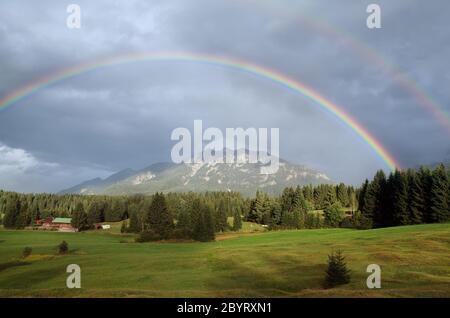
(236, 64)
(336, 34)
(398, 75)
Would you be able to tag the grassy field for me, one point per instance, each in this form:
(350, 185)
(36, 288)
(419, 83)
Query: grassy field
(414, 260)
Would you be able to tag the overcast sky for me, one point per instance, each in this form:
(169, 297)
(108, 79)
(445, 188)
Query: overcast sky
(122, 116)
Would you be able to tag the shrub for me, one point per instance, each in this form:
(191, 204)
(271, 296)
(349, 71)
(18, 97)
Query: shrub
(124, 227)
(361, 222)
(337, 272)
(26, 252)
(148, 236)
(181, 234)
(349, 223)
(63, 248)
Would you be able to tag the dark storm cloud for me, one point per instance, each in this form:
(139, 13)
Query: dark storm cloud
(122, 116)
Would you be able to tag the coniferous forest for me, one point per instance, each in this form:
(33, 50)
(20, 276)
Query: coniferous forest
(401, 198)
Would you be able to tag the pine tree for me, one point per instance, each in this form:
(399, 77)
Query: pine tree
(379, 191)
(369, 200)
(79, 218)
(308, 193)
(237, 221)
(208, 224)
(159, 218)
(362, 195)
(439, 208)
(330, 197)
(400, 199)
(184, 224)
(94, 213)
(425, 180)
(337, 272)
(34, 212)
(416, 199)
(12, 210)
(134, 225)
(275, 214)
(342, 195)
(203, 222)
(221, 218)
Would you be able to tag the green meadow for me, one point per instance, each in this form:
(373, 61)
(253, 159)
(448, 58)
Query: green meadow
(415, 262)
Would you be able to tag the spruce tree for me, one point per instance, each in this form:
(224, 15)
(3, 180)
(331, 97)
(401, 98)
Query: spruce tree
(159, 218)
(369, 201)
(12, 210)
(134, 225)
(79, 218)
(196, 219)
(400, 199)
(362, 195)
(439, 209)
(425, 179)
(337, 272)
(208, 233)
(330, 197)
(378, 188)
(221, 217)
(237, 221)
(203, 222)
(416, 196)
(94, 213)
(184, 224)
(342, 195)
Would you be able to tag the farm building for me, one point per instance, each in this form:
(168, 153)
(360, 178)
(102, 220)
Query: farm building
(59, 224)
(99, 226)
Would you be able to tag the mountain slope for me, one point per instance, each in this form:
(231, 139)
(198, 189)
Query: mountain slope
(200, 177)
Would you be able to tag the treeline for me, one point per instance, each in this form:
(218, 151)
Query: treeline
(407, 197)
(403, 197)
(296, 207)
(174, 215)
(21, 210)
(185, 216)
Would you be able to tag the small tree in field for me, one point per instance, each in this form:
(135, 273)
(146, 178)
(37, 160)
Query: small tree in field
(337, 272)
(26, 252)
(63, 248)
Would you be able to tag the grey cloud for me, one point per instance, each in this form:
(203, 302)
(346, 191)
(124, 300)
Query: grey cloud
(122, 116)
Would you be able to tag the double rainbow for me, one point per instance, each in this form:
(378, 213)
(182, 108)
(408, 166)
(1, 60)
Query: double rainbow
(221, 61)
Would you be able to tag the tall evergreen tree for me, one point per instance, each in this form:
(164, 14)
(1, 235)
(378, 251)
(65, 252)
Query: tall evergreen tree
(400, 199)
(342, 195)
(12, 210)
(94, 213)
(362, 195)
(416, 199)
(79, 218)
(378, 189)
(221, 217)
(159, 218)
(203, 222)
(237, 221)
(439, 209)
(337, 272)
(369, 199)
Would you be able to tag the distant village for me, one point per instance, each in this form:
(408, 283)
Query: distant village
(61, 225)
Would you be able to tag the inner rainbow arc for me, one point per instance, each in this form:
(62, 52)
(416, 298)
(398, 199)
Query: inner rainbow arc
(223, 61)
